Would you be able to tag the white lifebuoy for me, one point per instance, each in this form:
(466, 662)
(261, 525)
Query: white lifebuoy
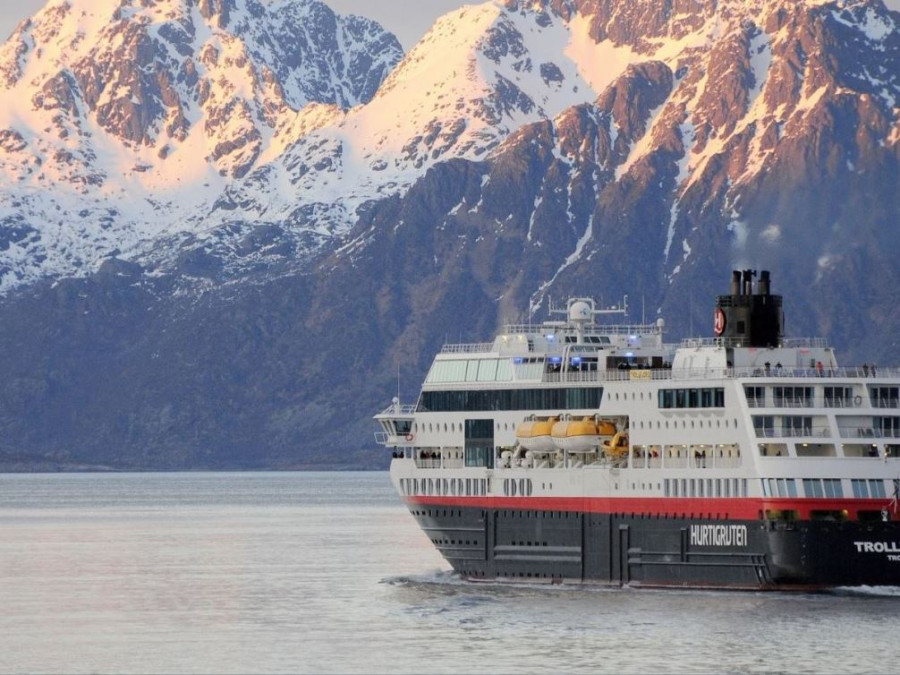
(409, 437)
(858, 401)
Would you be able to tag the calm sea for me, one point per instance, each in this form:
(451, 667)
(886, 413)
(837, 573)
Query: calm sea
(327, 573)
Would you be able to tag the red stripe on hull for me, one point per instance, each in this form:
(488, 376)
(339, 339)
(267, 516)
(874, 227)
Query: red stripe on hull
(724, 509)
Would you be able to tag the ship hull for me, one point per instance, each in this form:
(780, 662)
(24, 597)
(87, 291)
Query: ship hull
(656, 551)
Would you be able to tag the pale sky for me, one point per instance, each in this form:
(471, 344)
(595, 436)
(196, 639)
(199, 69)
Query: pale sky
(407, 19)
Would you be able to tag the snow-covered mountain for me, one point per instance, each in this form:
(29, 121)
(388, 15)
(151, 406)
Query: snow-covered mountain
(123, 120)
(520, 150)
(163, 131)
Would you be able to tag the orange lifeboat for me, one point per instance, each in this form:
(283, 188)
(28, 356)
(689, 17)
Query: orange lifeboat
(618, 446)
(575, 435)
(534, 434)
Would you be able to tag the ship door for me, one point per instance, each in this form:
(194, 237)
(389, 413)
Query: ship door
(480, 443)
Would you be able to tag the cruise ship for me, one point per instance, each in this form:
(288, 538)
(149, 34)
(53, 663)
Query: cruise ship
(581, 451)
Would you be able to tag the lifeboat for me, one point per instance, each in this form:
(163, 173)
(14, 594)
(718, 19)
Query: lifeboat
(577, 435)
(534, 434)
(618, 446)
(606, 428)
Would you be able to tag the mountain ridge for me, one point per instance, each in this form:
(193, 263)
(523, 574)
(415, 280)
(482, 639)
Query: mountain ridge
(719, 139)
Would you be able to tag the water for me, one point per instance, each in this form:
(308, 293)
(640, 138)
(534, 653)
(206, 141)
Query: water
(327, 573)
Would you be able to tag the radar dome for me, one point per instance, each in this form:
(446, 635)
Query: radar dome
(579, 311)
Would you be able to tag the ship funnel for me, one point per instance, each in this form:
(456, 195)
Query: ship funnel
(764, 283)
(748, 319)
(748, 282)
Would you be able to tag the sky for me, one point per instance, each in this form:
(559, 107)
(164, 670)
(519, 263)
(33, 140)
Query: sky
(407, 19)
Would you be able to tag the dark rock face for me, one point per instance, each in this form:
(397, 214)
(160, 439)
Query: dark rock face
(779, 153)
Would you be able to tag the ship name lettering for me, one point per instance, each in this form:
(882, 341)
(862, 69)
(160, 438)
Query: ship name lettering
(877, 547)
(718, 535)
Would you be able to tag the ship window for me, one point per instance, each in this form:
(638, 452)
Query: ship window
(838, 397)
(796, 425)
(876, 489)
(885, 397)
(812, 487)
(487, 370)
(504, 371)
(887, 426)
(793, 397)
(815, 450)
(860, 488)
(666, 398)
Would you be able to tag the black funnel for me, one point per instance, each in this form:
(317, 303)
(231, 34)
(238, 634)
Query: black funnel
(750, 319)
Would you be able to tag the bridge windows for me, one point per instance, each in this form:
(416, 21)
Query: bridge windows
(558, 398)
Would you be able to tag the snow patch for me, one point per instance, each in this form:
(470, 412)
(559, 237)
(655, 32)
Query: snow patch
(772, 234)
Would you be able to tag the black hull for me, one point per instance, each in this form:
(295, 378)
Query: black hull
(626, 549)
